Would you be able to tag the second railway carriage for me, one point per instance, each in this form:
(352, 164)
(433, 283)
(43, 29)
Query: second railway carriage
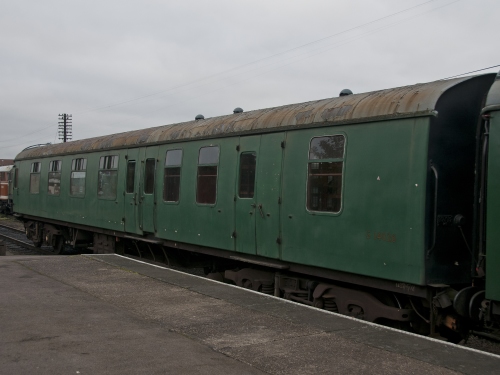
(362, 204)
(5, 189)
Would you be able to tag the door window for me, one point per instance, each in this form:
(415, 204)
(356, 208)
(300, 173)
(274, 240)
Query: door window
(206, 189)
(54, 187)
(149, 176)
(107, 177)
(172, 176)
(248, 161)
(36, 167)
(130, 184)
(77, 178)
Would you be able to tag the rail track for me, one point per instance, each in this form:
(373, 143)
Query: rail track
(16, 242)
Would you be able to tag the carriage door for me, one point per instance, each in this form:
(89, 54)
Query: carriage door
(131, 193)
(258, 195)
(245, 194)
(147, 199)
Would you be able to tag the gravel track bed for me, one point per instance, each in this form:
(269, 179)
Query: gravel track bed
(15, 249)
(11, 221)
(483, 344)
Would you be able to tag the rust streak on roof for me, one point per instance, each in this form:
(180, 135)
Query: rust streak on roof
(408, 101)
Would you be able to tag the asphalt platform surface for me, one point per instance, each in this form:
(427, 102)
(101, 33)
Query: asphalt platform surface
(106, 314)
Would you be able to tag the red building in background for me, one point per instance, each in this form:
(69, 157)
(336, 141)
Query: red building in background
(6, 162)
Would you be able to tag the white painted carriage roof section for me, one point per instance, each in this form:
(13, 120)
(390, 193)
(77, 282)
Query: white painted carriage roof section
(6, 168)
(407, 101)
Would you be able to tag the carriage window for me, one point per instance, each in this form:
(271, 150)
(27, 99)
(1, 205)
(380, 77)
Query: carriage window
(149, 176)
(248, 161)
(172, 176)
(206, 189)
(15, 178)
(77, 178)
(108, 162)
(54, 186)
(130, 185)
(107, 177)
(324, 183)
(35, 177)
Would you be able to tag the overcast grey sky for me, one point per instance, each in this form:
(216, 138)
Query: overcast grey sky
(118, 66)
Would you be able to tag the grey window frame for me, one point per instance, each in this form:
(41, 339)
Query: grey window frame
(149, 182)
(315, 159)
(127, 177)
(107, 164)
(172, 166)
(35, 171)
(78, 165)
(55, 173)
(204, 164)
(240, 174)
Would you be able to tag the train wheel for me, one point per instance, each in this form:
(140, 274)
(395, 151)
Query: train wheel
(58, 247)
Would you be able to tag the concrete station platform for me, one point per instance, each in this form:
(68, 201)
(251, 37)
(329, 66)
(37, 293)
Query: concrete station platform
(106, 314)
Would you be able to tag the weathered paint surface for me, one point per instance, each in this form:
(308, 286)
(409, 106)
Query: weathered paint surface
(493, 99)
(382, 196)
(493, 198)
(380, 228)
(379, 231)
(407, 101)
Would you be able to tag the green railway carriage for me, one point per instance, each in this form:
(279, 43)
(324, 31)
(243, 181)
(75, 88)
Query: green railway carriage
(369, 189)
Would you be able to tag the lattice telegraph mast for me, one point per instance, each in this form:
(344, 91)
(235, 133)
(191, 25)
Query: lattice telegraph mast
(65, 131)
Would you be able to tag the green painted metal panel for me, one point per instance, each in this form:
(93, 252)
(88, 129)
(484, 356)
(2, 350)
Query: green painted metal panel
(131, 201)
(88, 209)
(258, 218)
(107, 213)
(170, 214)
(147, 200)
(269, 167)
(493, 211)
(379, 230)
(209, 225)
(246, 207)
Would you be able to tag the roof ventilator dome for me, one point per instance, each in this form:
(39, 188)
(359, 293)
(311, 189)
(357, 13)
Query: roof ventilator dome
(199, 117)
(238, 110)
(345, 92)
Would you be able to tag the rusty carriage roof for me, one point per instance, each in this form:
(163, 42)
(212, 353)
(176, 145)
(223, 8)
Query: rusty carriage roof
(407, 101)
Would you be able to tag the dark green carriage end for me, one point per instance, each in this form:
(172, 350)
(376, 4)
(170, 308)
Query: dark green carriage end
(451, 184)
(491, 114)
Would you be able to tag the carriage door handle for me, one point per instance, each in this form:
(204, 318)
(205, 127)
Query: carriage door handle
(260, 210)
(434, 228)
